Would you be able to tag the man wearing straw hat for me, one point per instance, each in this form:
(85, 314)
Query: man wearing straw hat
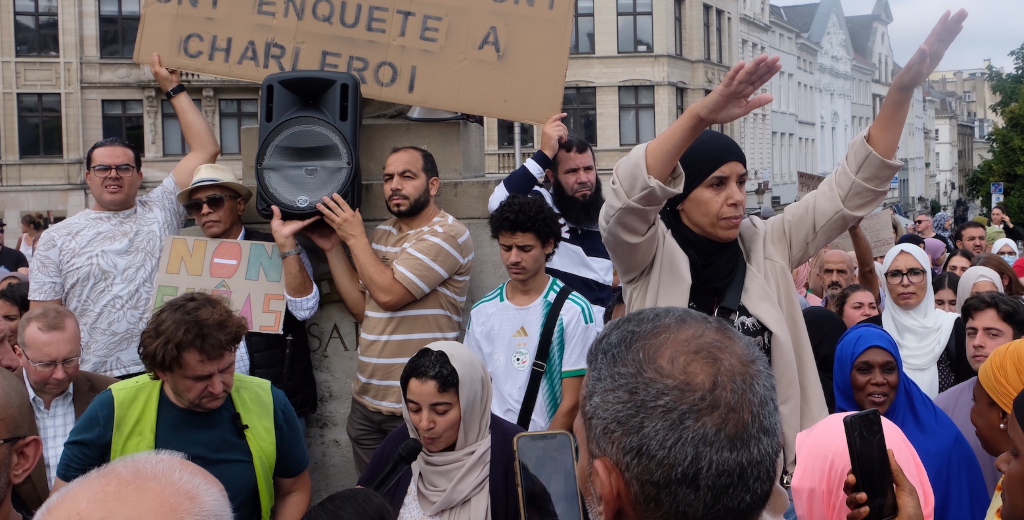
(216, 201)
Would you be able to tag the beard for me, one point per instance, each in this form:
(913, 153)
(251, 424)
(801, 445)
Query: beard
(833, 289)
(416, 206)
(579, 212)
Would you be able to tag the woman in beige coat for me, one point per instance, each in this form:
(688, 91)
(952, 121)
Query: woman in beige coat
(678, 240)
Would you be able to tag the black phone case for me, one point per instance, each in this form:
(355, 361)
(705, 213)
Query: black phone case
(848, 422)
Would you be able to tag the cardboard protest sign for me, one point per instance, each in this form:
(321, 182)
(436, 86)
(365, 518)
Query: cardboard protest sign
(877, 228)
(470, 56)
(250, 274)
(808, 182)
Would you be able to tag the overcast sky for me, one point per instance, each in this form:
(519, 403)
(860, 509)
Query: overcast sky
(991, 31)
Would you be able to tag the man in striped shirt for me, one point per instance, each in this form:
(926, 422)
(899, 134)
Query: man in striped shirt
(567, 162)
(406, 284)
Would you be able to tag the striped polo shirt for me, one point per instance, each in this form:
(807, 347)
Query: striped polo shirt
(433, 263)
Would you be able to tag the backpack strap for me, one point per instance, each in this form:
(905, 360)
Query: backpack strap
(540, 360)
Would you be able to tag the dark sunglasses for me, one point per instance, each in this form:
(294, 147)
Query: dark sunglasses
(921, 221)
(215, 202)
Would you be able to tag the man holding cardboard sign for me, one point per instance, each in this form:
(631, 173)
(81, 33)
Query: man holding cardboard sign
(216, 201)
(406, 284)
(101, 263)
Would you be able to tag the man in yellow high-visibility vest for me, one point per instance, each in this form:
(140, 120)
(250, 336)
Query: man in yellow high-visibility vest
(239, 428)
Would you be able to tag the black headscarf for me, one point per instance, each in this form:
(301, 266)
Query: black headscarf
(824, 329)
(713, 265)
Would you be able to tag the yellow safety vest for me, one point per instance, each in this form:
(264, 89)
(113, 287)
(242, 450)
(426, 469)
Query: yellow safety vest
(135, 410)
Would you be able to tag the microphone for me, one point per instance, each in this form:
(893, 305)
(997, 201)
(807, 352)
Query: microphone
(239, 424)
(407, 453)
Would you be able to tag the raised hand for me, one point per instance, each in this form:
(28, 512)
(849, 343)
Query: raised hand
(552, 134)
(166, 78)
(348, 223)
(731, 99)
(284, 230)
(930, 53)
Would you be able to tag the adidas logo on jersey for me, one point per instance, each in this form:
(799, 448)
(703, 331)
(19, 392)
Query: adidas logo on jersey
(521, 333)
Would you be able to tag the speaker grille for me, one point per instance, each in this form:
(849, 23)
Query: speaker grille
(303, 159)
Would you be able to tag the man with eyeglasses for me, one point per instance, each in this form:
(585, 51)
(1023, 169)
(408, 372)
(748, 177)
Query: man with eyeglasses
(49, 348)
(216, 201)
(971, 236)
(19, 449)
(101, 263)
(923, 228)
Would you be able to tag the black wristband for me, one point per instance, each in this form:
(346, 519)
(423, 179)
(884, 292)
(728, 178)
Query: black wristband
(175, 90)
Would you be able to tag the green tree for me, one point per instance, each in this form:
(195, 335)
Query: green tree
(1006, 142)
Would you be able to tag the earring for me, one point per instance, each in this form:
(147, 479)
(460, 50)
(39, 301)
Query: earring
(1002, 426)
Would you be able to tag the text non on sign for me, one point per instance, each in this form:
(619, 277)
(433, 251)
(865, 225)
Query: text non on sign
(469, 56)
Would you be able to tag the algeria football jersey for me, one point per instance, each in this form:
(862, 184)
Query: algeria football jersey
(505, 337)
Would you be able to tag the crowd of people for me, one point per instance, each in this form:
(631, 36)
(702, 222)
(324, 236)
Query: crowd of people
(703, 359)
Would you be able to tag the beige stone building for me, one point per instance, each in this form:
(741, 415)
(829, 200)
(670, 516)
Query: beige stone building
(67, 80)
(634, 66)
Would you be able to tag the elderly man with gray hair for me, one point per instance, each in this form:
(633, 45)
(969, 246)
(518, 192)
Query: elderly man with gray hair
(678, 419)
(156, 485)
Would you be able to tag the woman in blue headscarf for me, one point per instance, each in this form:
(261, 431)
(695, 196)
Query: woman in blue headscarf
(868, 373)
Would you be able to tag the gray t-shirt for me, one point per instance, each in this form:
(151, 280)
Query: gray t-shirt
(102, 265)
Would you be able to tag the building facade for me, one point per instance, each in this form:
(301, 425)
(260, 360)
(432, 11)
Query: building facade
(67, 80)
(634, 66)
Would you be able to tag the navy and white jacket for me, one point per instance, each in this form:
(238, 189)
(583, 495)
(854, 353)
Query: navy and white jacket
(581, 260)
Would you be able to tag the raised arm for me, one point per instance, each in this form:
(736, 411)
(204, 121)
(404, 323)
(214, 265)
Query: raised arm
(728, 102)
(861, 181)
(650, 174)
(866, 274)
(202, 144)
(531, 173)
(885, 133)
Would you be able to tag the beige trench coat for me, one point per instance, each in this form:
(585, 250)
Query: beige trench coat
(655, 272)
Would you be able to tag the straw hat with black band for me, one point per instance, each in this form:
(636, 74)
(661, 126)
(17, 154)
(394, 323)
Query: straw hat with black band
(214, 175)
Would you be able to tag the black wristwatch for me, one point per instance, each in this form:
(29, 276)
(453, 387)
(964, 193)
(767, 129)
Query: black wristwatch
(175, 90)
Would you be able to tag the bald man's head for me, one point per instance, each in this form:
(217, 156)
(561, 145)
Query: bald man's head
(17, 422)
(16, 416)
(835, 271)
(156, 485)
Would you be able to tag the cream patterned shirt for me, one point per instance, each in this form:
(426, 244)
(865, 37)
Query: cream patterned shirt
(102, 265)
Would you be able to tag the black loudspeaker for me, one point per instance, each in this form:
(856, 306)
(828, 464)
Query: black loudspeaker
(309, 142)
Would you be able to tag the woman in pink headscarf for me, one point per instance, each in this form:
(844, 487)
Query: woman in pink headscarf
(936, 252)
(800, 279)
(825, 461)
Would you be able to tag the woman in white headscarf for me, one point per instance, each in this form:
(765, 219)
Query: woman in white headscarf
(465, 471)
(1006, 249)
(975, 280)
(929, 339)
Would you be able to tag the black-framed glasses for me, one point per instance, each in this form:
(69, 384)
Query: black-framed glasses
(921, 221)
(12, 439)
(123, 170)
(50, 366)
(895, 277)
(215, 202)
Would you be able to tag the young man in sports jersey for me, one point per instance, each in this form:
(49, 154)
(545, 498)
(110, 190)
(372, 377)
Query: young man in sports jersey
(505, 325)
